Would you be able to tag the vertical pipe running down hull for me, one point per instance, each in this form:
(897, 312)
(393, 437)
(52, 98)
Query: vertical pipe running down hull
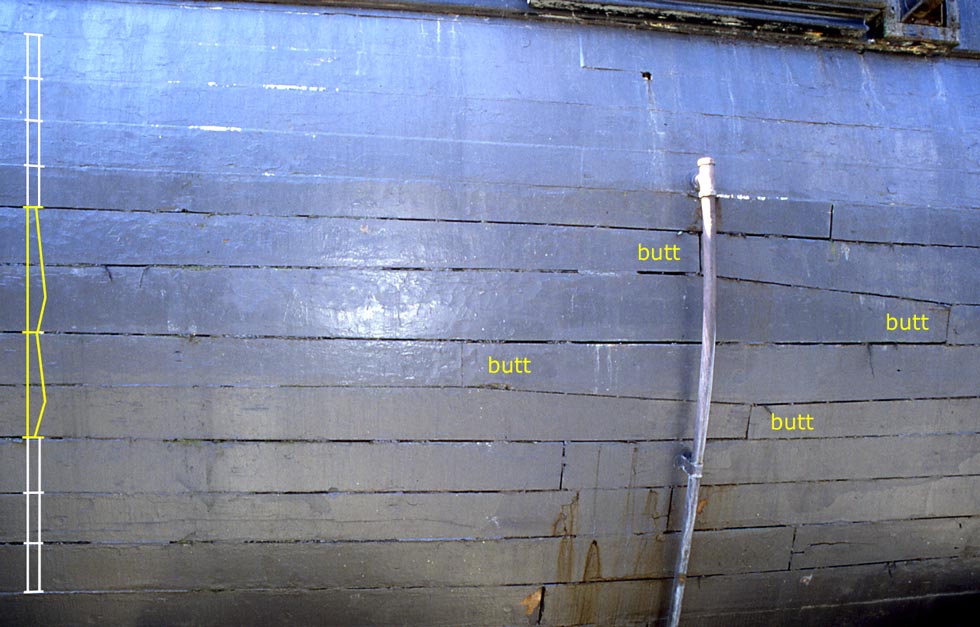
(694, 463)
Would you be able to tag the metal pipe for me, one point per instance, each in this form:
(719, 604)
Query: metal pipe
(693, 463)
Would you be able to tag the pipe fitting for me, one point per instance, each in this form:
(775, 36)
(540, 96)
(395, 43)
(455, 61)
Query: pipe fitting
(705, 178)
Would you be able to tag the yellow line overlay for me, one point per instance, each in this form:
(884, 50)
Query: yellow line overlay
(36, 330)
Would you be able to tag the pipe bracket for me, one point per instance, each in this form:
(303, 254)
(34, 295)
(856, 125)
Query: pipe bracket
(685, 463)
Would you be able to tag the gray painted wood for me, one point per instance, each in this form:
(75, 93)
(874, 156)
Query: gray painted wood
(616, 465)
(846, 584)
(489, 158)
(123, 466)
(911, 225)
(387, 304)
(861, 543)
(148, 239)
(396, 564)
(938, 274)
(743, 373)
(598, 603)
(195, 361)
(339, 516)
(922, 609)
(951, 415)
(964, 325)
(439, 607)
(317, 413)
(851, 500)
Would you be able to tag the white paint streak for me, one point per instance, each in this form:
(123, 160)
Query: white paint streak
(233, 129)
(294, 87)
(747, 197)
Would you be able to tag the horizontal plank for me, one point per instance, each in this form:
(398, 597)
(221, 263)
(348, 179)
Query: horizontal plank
(964, 325)
(419, 607)
(387, 304)
(892, 541)
(625, 602)
(630, 604)
(758, 84)
(911, 225)
(952, 415)
(831, 501)
(931, 273)
(773, 215)
(192, 361)
(841, 458)
(618, 465)
(122, 466)
(362, 304)
(304, 413)
(337, 516)
(286, 49)
(833, 586)
(405, 564)
(763, 312)
(743, 373)
(912, 610)
(325, 195)
(118, 237)
(221, 148)
(226, 147)
(141, 238)
(312, 107)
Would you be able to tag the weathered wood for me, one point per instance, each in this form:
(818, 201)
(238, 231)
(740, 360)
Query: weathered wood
(357, 197)
(911, 225)
(194, 361)
(964, 325)
(834, 586)
(951, 415)
(420, 607)
(914, 610)
(338, 516)
(141, 238)
(396, 564)
(892, 541)
(618, 465)
(930, 273)
(422, 147)
(600, 603)
(316, 413)
(743, 373)
(815, 502)
(757, 374)
(365, 304)
(761, 312)
(194, 466)
(459, 305)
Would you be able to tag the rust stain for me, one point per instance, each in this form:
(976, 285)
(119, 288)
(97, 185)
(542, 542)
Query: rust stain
(648, 555)
(585, 596)
(564, 526)
(564, 523)
(532, 602)
(651, 505)
(701, 505)
(593, 563)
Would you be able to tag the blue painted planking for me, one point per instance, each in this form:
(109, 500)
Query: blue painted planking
(446, 123)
